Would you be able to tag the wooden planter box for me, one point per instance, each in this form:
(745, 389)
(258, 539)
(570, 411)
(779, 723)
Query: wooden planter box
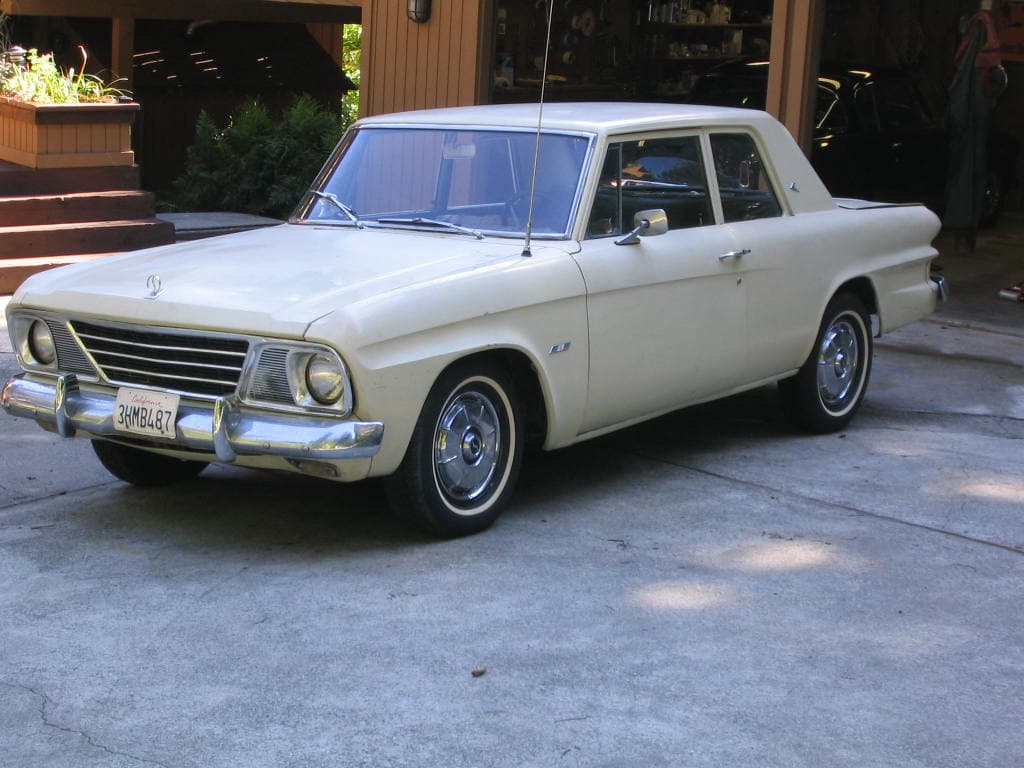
(66, 135)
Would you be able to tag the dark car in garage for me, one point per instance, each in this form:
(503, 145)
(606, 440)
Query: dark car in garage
(874, 134)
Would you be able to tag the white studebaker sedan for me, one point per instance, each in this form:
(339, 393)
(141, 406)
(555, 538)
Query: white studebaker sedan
(399, 325)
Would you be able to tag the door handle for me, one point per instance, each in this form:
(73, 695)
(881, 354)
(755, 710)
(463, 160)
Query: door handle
(734, 254)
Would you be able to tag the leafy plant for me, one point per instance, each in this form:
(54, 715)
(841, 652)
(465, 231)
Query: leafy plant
(256, 164)
(352, 41)
(43, 82)
(6, 65)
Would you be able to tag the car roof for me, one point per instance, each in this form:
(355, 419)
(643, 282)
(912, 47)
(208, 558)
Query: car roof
(586, 117)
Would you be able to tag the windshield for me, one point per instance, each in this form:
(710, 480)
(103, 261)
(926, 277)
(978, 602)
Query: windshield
(434, 178)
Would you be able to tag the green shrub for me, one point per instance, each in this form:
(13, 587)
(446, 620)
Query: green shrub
(256, 164)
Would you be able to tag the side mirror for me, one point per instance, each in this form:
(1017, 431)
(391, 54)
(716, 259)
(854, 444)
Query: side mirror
(646, 224)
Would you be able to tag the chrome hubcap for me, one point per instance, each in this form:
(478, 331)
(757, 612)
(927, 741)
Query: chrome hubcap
(467, 446)
(838, 363)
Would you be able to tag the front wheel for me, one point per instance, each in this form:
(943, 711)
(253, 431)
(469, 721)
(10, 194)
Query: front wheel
(142, 468)
(463, 460)
(829, 387)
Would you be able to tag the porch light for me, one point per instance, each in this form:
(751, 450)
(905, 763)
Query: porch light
(419, 10)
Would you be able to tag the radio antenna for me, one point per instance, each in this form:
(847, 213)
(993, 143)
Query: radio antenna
(540, 119)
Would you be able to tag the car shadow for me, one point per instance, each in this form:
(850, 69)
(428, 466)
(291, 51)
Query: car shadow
(609, 460)
(233, 508)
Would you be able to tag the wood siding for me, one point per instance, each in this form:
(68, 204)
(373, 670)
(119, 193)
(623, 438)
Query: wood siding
(311, 11)
(329, 36)
(441, 63)
(66, 136)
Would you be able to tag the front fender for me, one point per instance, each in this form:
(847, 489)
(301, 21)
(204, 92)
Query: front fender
(397, 344)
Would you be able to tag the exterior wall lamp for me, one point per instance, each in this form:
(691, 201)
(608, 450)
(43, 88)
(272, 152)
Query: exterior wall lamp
(419, 10)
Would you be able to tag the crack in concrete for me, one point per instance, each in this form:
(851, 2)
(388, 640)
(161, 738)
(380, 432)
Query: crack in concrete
(72, 493)
(45, 703)
(999, 420)
(940, 321)
(1017, 550)
(962, 357)
(220, 584)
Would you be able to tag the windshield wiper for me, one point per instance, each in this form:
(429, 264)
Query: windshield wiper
(418, 221)
(333, 200)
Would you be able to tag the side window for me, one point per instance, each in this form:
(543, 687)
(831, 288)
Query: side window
(829, 114)
(651, 173)
(742, 180)
(867, 108)
(900, 107)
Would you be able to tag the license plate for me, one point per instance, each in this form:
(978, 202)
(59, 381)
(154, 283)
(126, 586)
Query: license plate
(142, 412)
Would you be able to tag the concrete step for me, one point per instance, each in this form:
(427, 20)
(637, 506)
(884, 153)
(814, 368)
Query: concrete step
(83, 238)
(75, 208)
(17, 180)
(13, 272)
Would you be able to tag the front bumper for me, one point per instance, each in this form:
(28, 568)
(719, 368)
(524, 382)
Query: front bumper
(941, 286)
(223, 427)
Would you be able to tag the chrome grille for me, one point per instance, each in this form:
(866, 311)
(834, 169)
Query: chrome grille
(70, 356)
(270, 379)
(201, 365)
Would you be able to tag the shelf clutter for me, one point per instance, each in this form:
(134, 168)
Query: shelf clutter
(639, 50)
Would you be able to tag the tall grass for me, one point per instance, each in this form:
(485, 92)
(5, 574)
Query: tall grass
(41, 81)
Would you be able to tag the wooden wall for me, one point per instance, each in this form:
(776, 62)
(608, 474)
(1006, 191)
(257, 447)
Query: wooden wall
(444, 62)
(330, 38)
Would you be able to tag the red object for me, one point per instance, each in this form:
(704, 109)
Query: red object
(989, 55)
(1014, 293)
(1012, 35)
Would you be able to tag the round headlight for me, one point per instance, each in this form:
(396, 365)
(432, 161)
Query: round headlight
(40, 343)
(325, 379)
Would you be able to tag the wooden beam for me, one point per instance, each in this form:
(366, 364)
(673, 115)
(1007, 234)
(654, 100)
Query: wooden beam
(123, 40)
(485, 52)
(793, 72)
(312, 11)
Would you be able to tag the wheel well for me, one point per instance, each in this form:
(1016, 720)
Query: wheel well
(527, 382)
(862, 288)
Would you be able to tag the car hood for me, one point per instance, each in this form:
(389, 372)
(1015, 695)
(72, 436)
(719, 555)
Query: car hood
(272, 281)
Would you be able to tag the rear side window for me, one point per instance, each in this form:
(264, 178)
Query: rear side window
(651, 173)
(900, 107)
(743, 182)
(829, 113)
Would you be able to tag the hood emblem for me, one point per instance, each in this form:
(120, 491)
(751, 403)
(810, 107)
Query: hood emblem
(153, 283)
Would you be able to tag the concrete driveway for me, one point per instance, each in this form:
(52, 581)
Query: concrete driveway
(707, 589)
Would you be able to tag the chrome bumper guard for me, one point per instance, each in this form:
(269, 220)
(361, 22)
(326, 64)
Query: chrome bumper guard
(942, 284)
(225, 427)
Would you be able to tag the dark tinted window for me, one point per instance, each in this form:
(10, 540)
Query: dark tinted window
(829, 112)
(900, 107)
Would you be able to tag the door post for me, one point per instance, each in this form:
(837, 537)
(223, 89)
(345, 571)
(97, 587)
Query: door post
(793, 69)
(123, 49)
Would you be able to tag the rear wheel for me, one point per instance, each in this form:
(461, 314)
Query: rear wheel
(463, 460)
(829, 387)
(142, 468)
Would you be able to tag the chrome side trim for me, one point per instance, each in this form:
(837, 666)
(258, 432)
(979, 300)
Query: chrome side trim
(224, 427)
